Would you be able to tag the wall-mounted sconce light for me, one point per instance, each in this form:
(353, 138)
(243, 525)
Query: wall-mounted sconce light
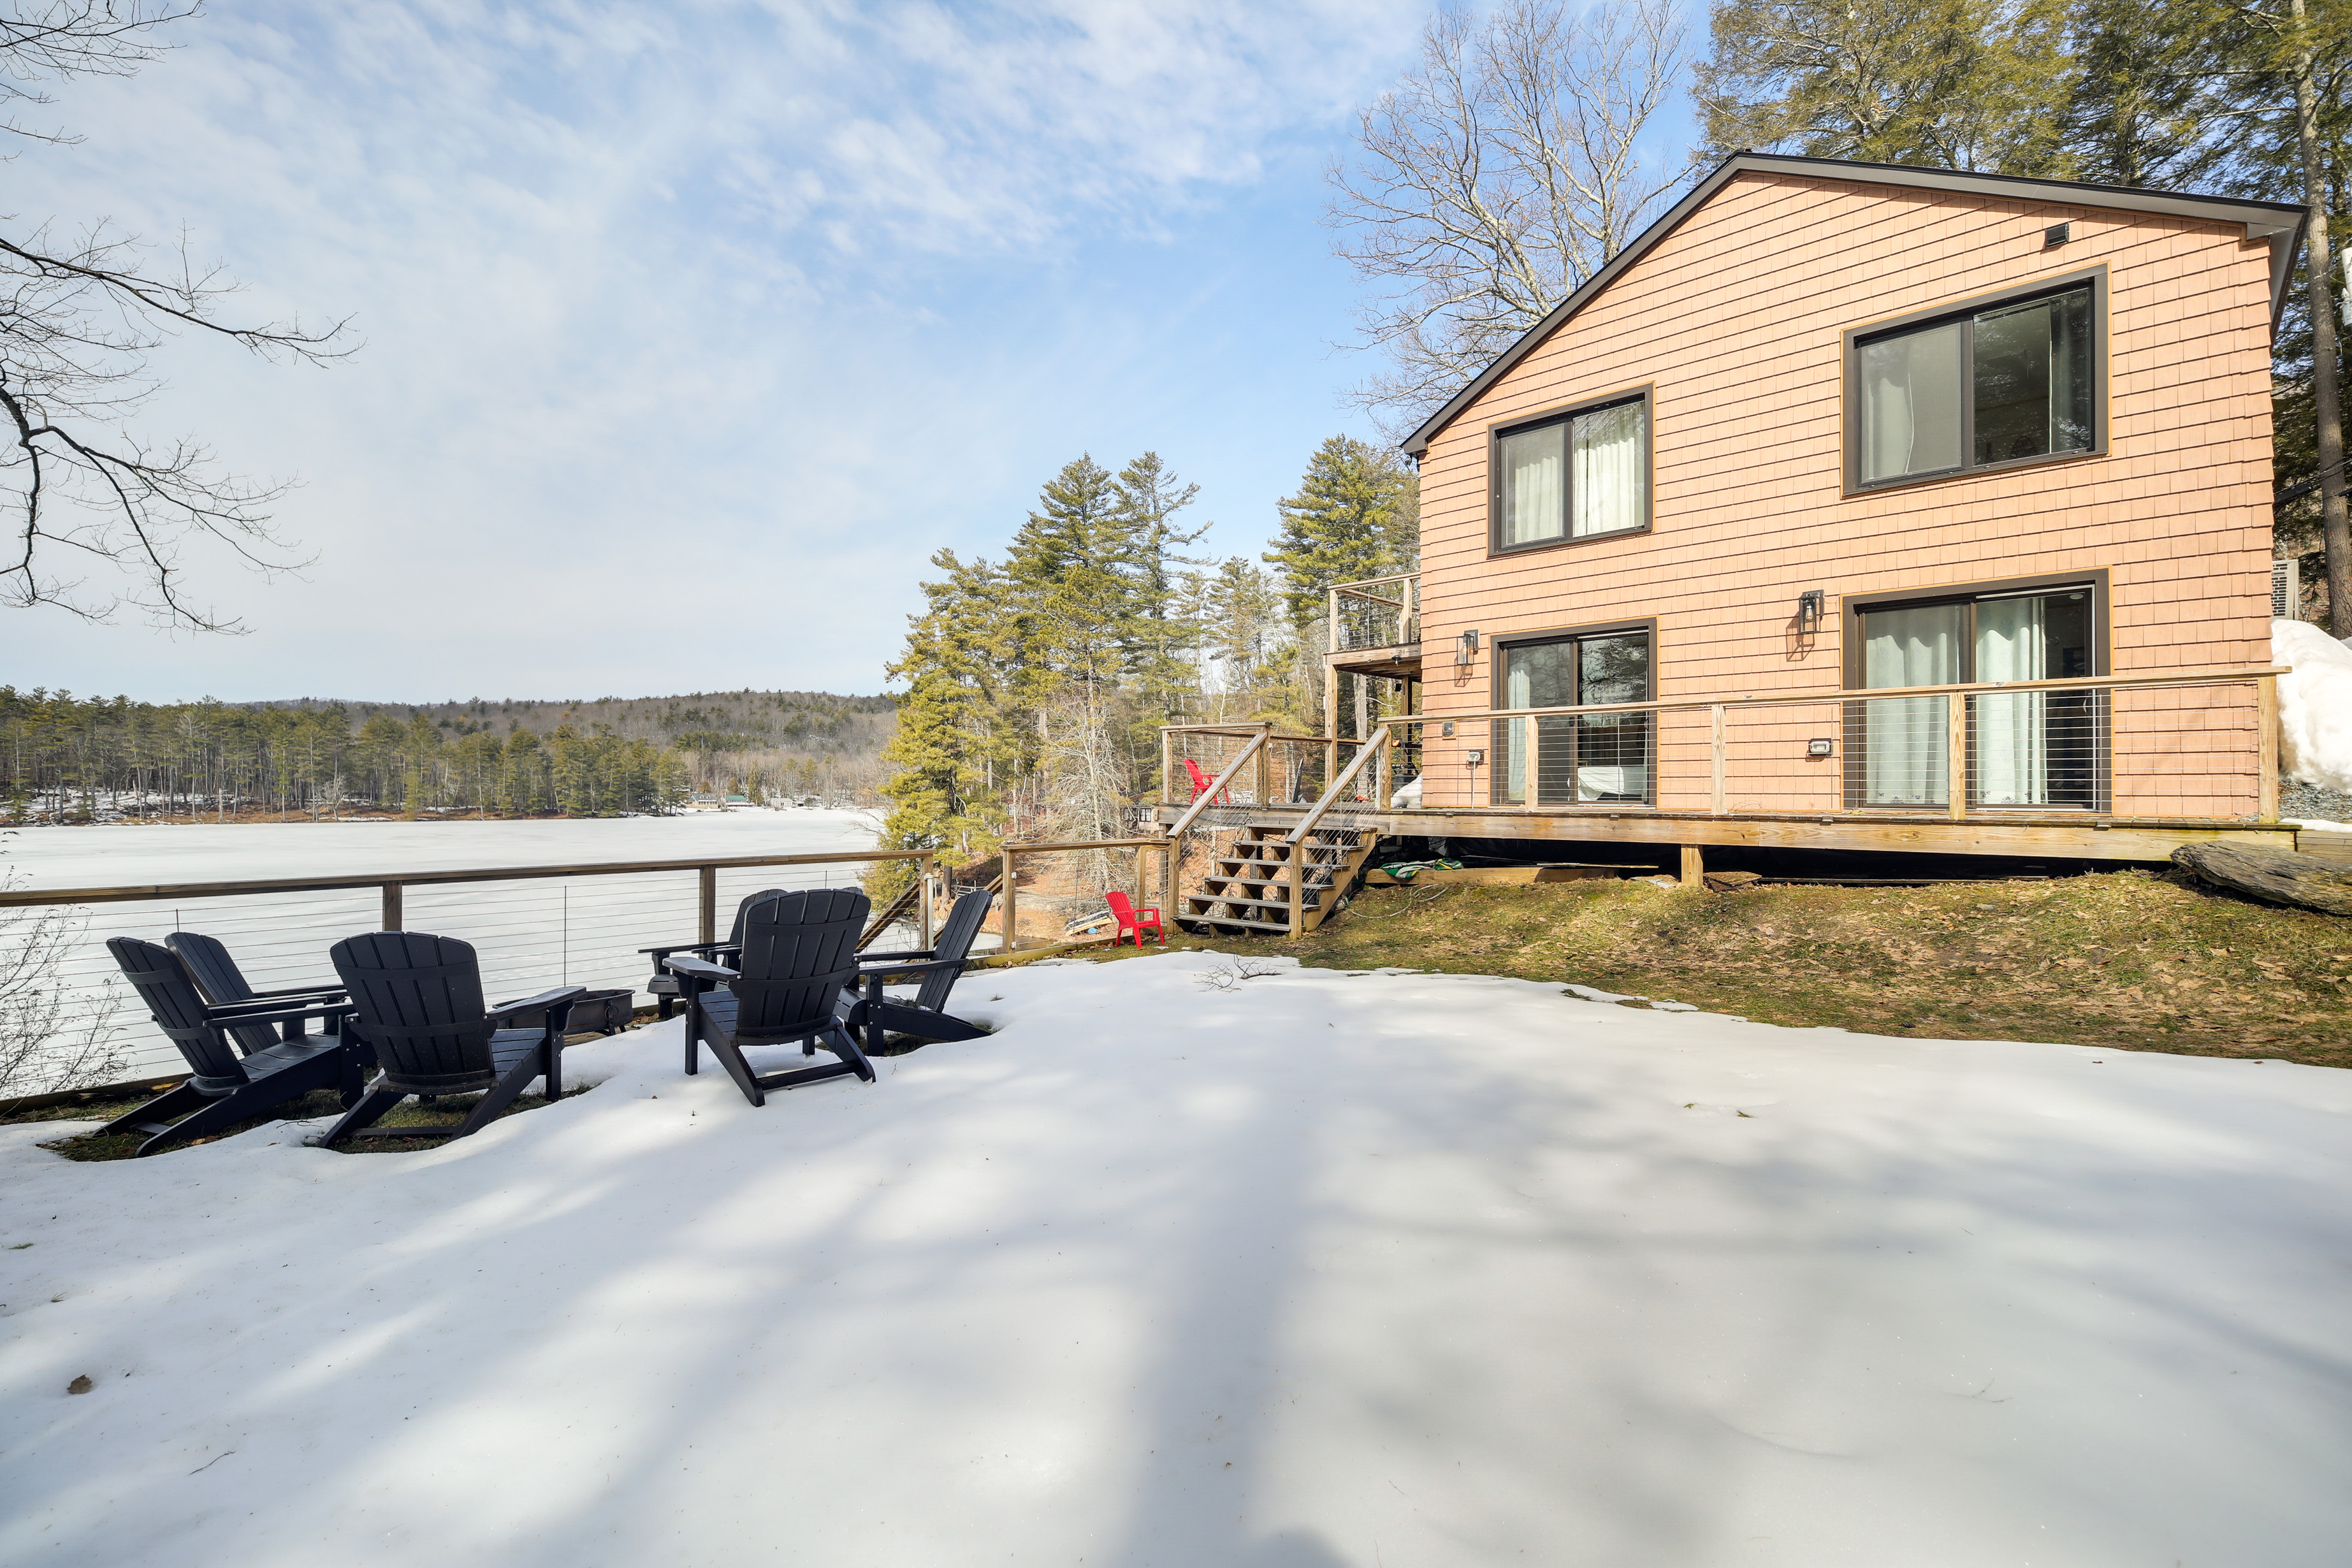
(1821, 748)
(1810, 609)
(1475, 756)
(1463, 655)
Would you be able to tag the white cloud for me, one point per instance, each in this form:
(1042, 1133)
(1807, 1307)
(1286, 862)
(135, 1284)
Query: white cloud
(683, 324)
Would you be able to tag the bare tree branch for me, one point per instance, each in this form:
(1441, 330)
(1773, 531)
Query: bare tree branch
(78, 321)
(1497, 175)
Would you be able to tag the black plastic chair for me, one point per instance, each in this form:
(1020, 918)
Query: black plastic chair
(419, 1002)
(665, 984)
(223, 984)
(926, 1017)
(223, 1087)
(799, 951)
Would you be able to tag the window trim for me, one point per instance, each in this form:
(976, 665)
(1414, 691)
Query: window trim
(1497, 679)
(1853, 742)
(1646, 395)
(1961, 311)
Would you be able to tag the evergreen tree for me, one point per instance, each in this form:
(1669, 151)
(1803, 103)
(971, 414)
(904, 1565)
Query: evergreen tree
(2137, 101)
(1356, 515)
(1952, 84)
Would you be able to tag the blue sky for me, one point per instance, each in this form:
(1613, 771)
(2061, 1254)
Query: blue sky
(690, 333)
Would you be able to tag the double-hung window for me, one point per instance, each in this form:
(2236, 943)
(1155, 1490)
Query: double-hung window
(1582, 474)
(2008, 381)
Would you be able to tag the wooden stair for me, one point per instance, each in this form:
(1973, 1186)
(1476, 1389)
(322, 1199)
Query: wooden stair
(1248, 888)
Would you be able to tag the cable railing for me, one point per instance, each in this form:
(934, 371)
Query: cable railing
(533, 926)
(2199, 744)
(1379, 612)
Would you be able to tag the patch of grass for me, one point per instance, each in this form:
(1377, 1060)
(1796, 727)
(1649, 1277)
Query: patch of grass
(2132, 959)
(443, 1112)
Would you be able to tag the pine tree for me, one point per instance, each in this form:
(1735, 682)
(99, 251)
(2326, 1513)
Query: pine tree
(2136, 114)
(1355, 516)
(1952, 84)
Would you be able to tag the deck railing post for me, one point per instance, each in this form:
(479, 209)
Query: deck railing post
(1298, 914)
(1010, 899)
(1534, 774)
(1167, 765)
(392, 906)
(1265, 760)
(709, 902)
(926, 869)
(1715, 762)
(2266, 748)
(1956, 754)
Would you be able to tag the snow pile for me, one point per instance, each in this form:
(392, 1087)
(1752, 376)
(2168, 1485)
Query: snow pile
(1182, 1268)
(2315, 705)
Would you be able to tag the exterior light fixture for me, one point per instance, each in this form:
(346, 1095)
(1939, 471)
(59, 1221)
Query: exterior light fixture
(1475, 756)
(1462, 656)
(1809, 611)
(1820, 748)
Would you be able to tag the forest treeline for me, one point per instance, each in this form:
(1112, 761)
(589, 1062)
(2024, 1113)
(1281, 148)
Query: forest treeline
(1036, 684)
(75, 757)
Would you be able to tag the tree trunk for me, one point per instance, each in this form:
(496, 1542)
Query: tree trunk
(2326, 395)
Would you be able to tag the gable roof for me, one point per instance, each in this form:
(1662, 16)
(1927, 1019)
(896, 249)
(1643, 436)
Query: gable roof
(2281, 223)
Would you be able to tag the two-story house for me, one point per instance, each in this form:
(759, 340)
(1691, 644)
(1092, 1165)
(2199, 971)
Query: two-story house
(1827, 428)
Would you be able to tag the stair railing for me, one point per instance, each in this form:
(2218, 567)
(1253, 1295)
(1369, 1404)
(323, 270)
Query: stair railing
(1299, 836)
(1173, 860)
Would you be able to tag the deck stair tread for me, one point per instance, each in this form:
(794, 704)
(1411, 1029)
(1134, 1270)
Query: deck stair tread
(1253, 877)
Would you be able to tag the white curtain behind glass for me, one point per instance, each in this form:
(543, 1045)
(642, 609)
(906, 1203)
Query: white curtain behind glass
(1911, 404)
(1903, 737)
(2012, 728)
(1518, 692)
(1610, 483)
(1534, 477)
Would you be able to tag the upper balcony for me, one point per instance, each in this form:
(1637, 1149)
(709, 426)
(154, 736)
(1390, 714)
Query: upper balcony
(1374, 627)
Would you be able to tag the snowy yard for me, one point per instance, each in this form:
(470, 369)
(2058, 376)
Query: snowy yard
(532, 934)
(1312, 1269)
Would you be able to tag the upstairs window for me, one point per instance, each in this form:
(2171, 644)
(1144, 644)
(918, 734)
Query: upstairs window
(2013, 382)
(1579, 475)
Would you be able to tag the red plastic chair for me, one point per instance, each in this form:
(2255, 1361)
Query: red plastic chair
(1128, 921)
(1202, 781)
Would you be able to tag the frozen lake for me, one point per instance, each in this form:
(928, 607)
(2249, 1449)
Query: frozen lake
(532, 934)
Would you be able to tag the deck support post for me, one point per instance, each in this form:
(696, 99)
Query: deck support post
(1956, 754)
(1265, 775)
(1008, 902)
(1167, 766)
(710, 903)
(392, 906)
(1716, 800)
(2266, 748)
(1694, 864)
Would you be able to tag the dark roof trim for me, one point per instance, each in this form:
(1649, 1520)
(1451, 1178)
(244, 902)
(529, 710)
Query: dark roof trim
(2280, 223)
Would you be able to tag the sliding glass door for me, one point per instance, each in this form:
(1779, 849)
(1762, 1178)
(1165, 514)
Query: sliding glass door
(1580, 759)
(2025, 748)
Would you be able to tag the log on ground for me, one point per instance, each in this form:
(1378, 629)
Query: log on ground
(2273, 875)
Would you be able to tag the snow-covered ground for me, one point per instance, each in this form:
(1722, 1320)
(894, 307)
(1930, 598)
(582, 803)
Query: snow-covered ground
(1291, 1272)
(532, 934)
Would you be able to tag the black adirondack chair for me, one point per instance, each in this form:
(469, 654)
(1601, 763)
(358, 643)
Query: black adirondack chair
(224, 1088)
(223, 984)
(665, 985)
(926, 1017)
(799, 951)
(419, 1002)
